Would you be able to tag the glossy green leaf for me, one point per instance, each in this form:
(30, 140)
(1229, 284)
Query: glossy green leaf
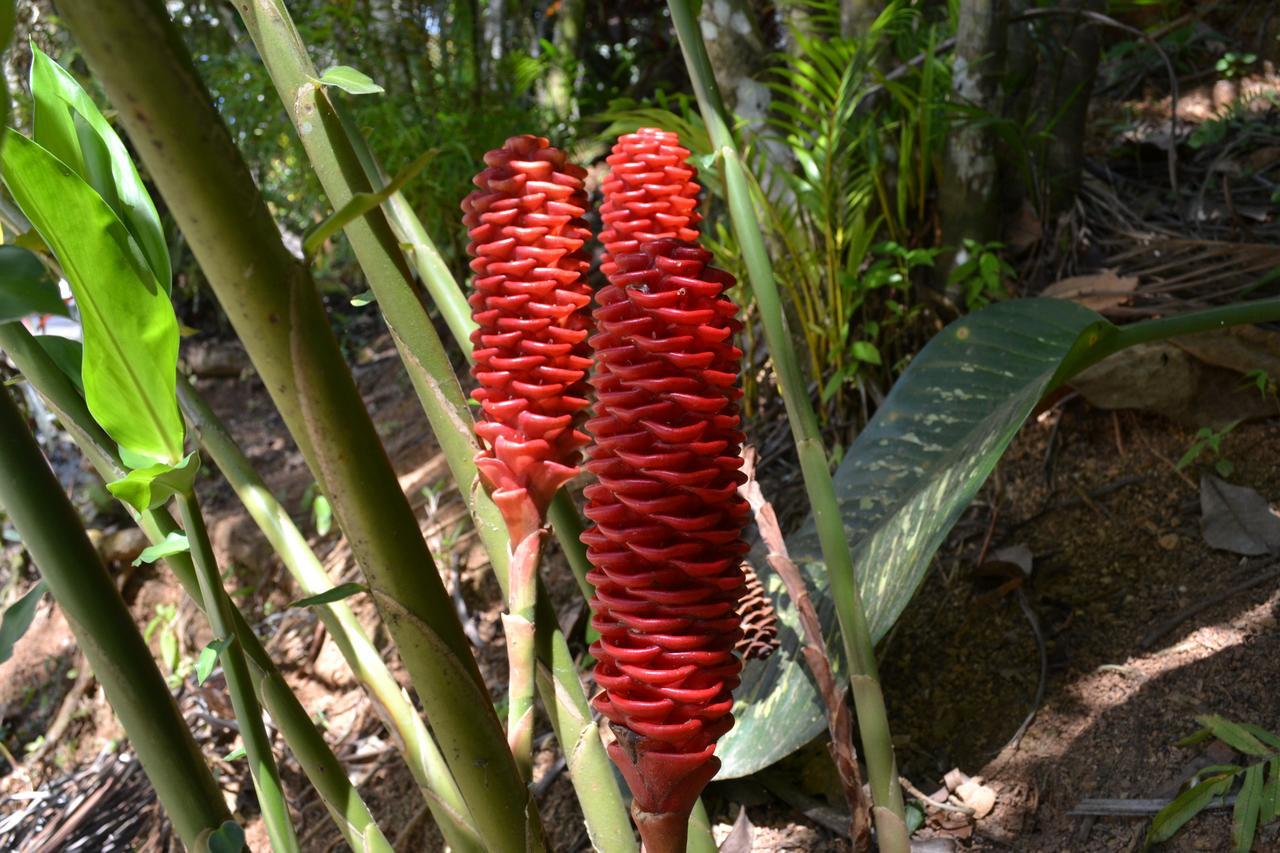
(1271, 792)
(130, 331)
(350, 80)
(67, 354)
(175, 543)
(17, 619)
(1185, 806)
(228, 838)
(68, 124)
(901, 487)
(147, 488)
(1244, 817)
(1233, 735)
(25, 286)
(329, 596)
(209, 658)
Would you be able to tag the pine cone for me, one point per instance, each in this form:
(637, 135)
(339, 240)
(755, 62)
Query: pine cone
(759, 619)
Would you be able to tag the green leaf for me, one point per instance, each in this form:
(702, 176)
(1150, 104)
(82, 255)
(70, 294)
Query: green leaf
(865, 351)
(228, 838)
(130, 331)
(70, 126)
(209, 658)
(322, 515)
(1271, 793)
(238, 752)
(1233, 735)
(901, 487)
(362, 299)
(17, 619)
(175, 543)
(349, 80)
(1269, 738)
(338, 593)
(1244, 817)
(147, 488)
(66, 353)
(1185, 806)
(25, 286)
(360, 204)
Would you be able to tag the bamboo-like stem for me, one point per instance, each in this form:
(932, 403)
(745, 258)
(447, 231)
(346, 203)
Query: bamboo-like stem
(518, 626)
(104, 629)
(135, 51)
(859, 649)
(420, 750)
(318, 762)
(257, 745)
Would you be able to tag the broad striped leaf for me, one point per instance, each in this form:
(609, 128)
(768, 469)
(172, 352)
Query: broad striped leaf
(902, 485)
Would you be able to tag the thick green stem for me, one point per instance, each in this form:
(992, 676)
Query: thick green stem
(104, 630)
(859, 649)
(257, 746)
(420, 750)
(318, 762)
(518, 626)
(135, 51)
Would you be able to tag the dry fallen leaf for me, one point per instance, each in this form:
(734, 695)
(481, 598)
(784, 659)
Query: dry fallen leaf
(739, 838)
(1100, 291)
(977, 796)
(1237, 519)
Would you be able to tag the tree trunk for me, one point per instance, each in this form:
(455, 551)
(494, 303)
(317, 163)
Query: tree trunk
(1067, 101)
(567, 37)
(857, 16)
(969, 183)
(737, 51)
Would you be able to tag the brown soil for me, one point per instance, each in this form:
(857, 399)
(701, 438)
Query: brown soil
(963, 668)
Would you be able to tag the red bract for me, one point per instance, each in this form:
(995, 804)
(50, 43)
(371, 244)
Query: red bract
(531, 354)
(666, 544)
(649, 194)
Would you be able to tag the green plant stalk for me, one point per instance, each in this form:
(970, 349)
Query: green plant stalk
(318, 762)
(432, 270)
(420, 750)
(104, 629)
(135, 51)
(342, 174)
(518, 628)
(859, 649)
(345, 166)
(447, 295)
(257, 745)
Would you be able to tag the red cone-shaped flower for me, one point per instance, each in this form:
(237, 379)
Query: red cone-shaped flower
(666, 544)
(649, 194)
(531, 353)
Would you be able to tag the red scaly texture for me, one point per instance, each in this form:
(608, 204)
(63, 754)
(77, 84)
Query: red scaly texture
(531, 352)
(666, 544)
(649, 194)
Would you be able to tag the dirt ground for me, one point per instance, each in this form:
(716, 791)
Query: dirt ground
(1113, 530)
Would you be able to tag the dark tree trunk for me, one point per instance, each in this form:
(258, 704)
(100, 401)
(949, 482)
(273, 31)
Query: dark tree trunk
(969, 190)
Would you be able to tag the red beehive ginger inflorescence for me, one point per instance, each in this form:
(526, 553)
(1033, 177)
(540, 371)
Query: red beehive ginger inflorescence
(666, 542)
(649, 194)
(529, 300)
